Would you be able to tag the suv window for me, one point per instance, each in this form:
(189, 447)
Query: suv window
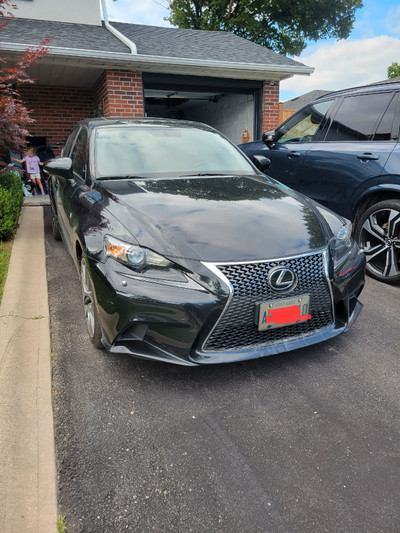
(384, 131)
(303, 126)
(357, 117)
(79, 154)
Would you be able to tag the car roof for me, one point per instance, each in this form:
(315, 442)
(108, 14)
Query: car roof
(381, 86)
(142, 121)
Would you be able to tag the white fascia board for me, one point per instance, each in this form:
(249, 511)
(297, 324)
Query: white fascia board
(127, 60)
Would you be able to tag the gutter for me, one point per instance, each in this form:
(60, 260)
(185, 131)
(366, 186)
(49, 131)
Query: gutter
(134, 58)
(131, 45)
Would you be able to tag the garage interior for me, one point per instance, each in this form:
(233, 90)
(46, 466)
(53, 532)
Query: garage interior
(231, 106)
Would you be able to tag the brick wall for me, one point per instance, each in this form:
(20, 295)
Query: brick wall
(56, 109)
(119, 94)
(270, 105)
(116, 94)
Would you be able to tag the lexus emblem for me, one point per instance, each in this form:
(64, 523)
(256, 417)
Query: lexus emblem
(282, 279)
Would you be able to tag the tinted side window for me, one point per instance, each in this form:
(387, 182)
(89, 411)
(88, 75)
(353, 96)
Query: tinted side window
(69, 142)
(357, 117)
(79, 154)
(384, 131)
(304, 125)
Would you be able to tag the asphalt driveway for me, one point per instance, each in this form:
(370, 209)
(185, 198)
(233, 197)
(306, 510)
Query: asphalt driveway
(302, 442)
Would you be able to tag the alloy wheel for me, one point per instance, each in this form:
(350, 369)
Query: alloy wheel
(379, 237)
(88, 299)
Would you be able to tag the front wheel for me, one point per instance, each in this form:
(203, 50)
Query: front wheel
(55, 226)
(90, 307)
(378, 234)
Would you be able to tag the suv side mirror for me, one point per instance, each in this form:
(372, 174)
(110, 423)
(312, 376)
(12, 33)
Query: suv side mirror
(61, 167)
(269, 137)
(261, 162)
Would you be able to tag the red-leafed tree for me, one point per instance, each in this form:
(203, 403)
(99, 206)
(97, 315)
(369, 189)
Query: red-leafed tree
(14, 116)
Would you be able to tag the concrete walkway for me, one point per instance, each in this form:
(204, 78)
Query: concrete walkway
(28, 497)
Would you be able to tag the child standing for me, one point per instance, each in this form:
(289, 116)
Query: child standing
(32, 167)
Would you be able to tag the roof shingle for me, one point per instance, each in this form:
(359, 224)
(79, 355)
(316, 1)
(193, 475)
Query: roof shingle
(199, 44)
(150, 40)
(62, 35)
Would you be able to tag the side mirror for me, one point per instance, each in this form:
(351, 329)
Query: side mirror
(61, 167)
(269, 137)
(261, 162)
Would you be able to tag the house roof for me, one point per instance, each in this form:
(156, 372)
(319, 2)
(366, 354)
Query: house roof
(159, 49)
(199, 44)
(300, 101)
(62, 35)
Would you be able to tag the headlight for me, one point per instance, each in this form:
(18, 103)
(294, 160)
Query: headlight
(341, 244)
(134, 256)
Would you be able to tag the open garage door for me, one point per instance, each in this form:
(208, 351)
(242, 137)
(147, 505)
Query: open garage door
(231, 106)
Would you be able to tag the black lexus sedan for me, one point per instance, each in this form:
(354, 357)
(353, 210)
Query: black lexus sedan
(189, 254)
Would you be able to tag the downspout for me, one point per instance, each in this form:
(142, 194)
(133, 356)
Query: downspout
(114, 31)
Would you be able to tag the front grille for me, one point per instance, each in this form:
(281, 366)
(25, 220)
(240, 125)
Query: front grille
(237, 328)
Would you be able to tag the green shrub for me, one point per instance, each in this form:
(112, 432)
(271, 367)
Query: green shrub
(11, 198)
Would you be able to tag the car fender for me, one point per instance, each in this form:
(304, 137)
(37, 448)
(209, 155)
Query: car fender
(388, 186)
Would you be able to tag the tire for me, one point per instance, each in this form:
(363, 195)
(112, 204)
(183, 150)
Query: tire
(54, 218)
(90, 306)
(55, 226)
(378, 234)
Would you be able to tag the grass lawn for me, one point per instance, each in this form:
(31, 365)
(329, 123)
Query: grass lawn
(5, 254)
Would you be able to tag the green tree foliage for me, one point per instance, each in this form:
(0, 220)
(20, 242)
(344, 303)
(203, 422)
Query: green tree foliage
(393, 70)
(11, 198)
(281, 25)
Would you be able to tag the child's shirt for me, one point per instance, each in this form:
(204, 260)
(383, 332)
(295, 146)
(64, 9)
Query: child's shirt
(32, 164)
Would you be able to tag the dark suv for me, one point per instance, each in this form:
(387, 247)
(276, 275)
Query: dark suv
(343, 150)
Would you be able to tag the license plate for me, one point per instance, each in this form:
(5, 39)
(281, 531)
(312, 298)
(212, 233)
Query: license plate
(285, 312)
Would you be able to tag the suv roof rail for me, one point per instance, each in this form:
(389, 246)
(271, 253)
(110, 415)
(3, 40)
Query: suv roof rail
(389, 83)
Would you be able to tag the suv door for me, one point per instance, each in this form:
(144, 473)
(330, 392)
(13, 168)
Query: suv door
(353, 153)
(292, 141)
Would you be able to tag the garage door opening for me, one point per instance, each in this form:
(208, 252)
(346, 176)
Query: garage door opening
(229, 107)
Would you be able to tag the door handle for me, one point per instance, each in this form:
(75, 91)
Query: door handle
(367, 156)
(294, 154)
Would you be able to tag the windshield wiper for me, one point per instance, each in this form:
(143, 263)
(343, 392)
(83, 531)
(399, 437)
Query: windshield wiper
(127, 177)
(205, 174)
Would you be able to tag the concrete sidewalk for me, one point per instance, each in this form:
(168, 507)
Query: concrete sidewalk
(28, 498)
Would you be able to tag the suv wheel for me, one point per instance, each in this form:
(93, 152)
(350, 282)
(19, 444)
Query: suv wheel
(378, 234)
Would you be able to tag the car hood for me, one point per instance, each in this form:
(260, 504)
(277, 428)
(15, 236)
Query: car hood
(224, 218)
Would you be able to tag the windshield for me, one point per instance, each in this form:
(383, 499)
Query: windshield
(165, 150)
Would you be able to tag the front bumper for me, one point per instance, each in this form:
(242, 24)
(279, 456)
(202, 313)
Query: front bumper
(213, 322)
